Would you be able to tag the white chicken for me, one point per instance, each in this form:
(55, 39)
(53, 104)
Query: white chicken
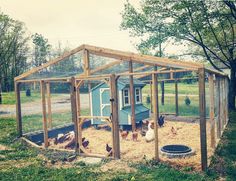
(150, 136)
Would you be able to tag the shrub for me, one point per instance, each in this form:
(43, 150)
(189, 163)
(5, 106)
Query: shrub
(187, 101)
(28, 92)
(148, 99)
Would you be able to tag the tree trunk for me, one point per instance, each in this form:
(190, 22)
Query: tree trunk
(232, 89)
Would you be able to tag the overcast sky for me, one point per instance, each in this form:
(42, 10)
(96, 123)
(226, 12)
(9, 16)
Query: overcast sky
(73, 22)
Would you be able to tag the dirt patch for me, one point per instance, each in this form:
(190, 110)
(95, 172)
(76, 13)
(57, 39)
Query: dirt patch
(117, 165)
(135, 151)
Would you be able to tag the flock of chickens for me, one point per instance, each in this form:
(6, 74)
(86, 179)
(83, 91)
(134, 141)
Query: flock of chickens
(147, 131)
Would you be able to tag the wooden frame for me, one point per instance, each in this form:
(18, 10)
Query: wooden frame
(169, 66)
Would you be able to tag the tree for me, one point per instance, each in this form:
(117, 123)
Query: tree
(13, 51)
(209, 25)
(41, 50)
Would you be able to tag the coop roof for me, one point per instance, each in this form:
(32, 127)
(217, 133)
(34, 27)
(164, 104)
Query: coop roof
(126, 82)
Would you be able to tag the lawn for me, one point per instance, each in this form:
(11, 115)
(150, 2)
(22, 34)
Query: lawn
(20, 162)
(9, 97)
(34, 122)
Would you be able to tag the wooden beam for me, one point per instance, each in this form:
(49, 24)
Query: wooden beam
(51, 62)
(147, 59)
(114, 116)
(132, 96)
(49, 105)
(176, 99)
(202, 112)
(151, 96)
(44, 114)
(106, 66)
(18, 109)
(162, 92)
(74, 110)
(212, 113)
(155, 112)
(86, 62)
(227, 100)
(218, 95)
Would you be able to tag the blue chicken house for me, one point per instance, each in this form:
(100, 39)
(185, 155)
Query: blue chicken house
(100, 102)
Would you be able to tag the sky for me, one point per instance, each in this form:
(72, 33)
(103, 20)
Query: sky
(73, 22)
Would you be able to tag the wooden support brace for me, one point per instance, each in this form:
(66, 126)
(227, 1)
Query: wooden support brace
(212, 113)
(218, 107)
(176, 99)
(162, 92)
(44, 114)
(132, 97)
(49, 105)
(18, 109)
(114, 116)
(73, 97)
(202, 112)
(86, 62)
(155, 112)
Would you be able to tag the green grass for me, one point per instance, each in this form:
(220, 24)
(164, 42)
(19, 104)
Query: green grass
(9, 97)
(21, 162)
(224, 160)
(34, 122)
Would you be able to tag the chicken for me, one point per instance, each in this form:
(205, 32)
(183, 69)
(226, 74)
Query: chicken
(124, 134)
(150, 136)
(109, 149)
(134, 135)
(161, 121)
(85, 143)
(173, 130)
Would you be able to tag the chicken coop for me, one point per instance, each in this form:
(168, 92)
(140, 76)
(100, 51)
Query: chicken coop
(100, 102)
(111, 88)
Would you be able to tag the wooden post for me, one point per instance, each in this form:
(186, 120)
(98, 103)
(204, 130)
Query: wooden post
(222, 107)
(202, 112)
(74, 109)
(155, 113)
(18, 109)
(151, 96)
(227, 100)
(89, 91)
(86, 62)
(49, 105)
(176, 99)
(218, 131)
(132, 97)
(225, 105)
(44, 113)
(162, 92)
(212, 113)
(114, 116)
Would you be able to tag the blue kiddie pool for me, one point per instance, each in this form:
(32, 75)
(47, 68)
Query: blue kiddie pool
(176, 150)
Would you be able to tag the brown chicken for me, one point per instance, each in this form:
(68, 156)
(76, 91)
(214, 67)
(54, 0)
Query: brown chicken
(124, 134)
(134, 135)
(173, 130)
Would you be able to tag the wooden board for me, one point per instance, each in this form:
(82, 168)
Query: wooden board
(44, 114)
(202, 112)
(18, 109)
(132, 97)
(155, 112)
(211, 109)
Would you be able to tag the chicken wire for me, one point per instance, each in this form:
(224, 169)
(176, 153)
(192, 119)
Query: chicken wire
(68, 67)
